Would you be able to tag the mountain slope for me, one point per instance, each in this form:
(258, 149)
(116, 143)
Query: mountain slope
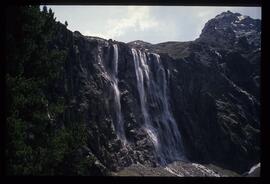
(213, 92)
(159, 104)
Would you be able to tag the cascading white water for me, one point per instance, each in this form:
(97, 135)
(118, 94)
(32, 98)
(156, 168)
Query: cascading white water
(119, 126)
(160, 124)
(174, 142)
(140, 67)
(111, 74)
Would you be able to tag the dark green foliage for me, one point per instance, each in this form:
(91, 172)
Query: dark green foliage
(39, 141)
(45, 9)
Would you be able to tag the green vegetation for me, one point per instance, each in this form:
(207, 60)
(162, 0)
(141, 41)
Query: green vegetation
(39, 140)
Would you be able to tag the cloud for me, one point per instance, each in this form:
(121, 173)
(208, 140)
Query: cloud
(137, 18)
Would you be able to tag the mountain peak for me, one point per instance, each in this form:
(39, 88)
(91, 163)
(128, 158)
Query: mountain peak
(231, 16)
(228, 27)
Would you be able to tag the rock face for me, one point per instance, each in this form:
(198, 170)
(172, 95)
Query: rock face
(153, 104)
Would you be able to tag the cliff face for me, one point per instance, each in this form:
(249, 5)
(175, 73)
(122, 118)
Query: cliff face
(153, 104)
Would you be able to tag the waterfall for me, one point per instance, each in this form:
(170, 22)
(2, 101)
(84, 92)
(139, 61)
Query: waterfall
(111, 74)
(119, 126)
(140, 67)
(160, 124)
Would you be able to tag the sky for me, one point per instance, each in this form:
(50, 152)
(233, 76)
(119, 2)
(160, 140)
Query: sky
(154, 24)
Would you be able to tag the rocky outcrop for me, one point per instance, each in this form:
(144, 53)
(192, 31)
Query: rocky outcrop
(255, 171)
(210, 89)
(176, 169)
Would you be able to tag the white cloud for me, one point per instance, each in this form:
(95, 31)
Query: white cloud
(137, 18)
